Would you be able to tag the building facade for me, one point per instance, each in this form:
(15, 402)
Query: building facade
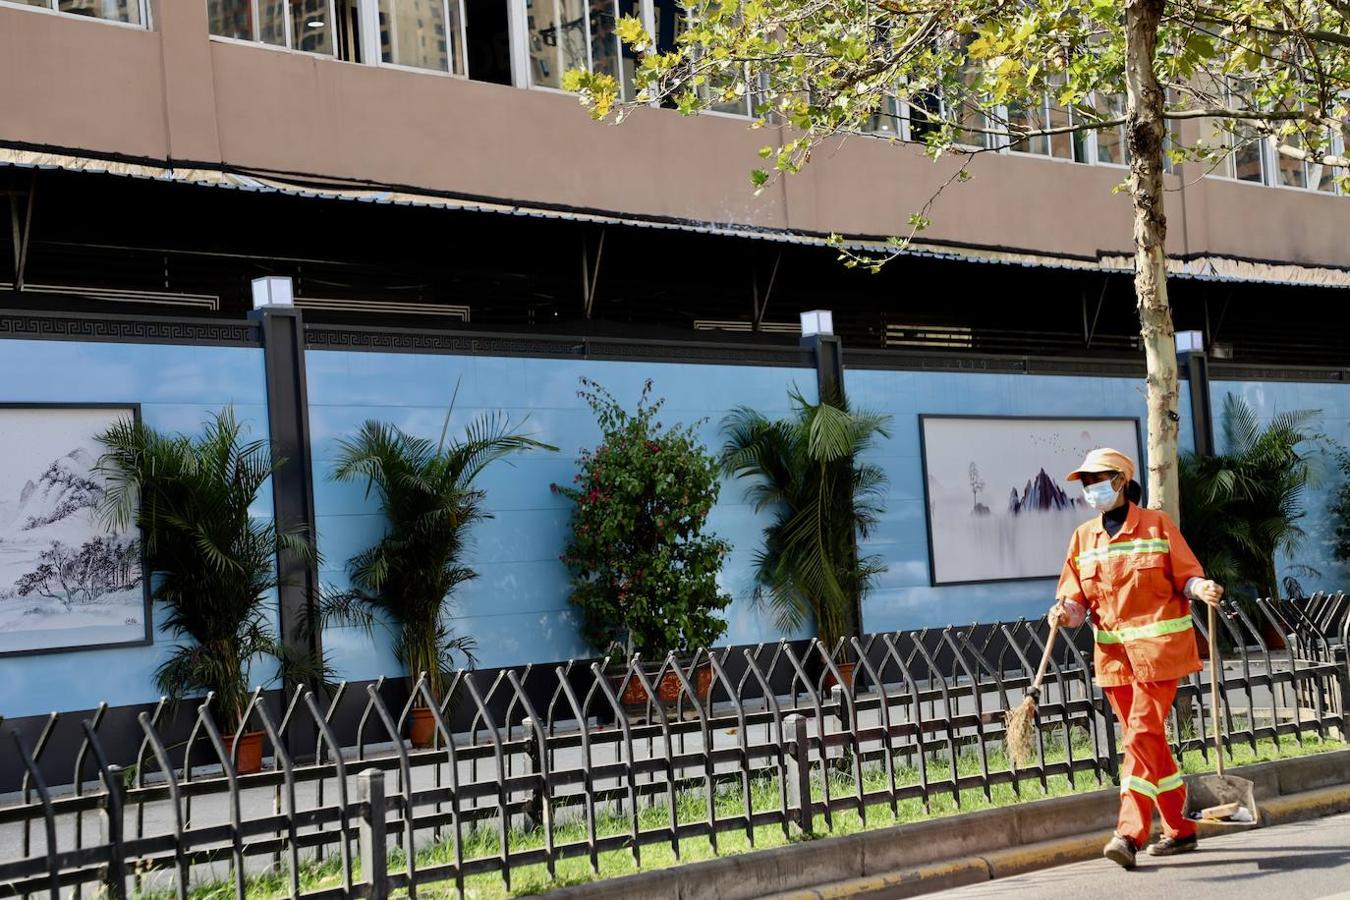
(448, 217)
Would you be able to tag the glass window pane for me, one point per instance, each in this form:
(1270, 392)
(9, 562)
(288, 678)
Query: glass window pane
(114, 10)
(413, 33)
(924, 108)
(1030, 120)
(1291, 171)
(885, 122)
(231, 18)
(541, 17)
(574, 38)
(604, 39)
(311, 29)
(1247, 156)
(272, 22)
(1110, 141)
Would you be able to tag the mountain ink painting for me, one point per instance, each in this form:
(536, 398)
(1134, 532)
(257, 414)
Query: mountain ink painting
(66, 581)
(998, 506)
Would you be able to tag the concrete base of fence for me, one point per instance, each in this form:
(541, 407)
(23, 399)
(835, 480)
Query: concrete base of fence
(909, 860)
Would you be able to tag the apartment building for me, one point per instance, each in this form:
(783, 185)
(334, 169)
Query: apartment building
(414, 161)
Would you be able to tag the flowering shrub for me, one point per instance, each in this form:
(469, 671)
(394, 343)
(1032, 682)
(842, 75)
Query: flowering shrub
(639, 556)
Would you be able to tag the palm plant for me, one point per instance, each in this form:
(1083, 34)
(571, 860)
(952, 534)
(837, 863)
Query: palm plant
(429, 503)
(1243, 507)
(211, 562)
(805, 468)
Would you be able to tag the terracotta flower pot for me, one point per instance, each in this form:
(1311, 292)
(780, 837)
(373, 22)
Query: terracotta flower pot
(421, 727)
(249, 759)
(1273, 637)
(668, 689)
(845, 671)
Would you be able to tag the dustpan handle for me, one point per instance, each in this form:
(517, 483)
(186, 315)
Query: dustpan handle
(1214, 684)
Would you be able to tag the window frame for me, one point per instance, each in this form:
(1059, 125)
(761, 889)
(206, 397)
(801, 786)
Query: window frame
(53, 9)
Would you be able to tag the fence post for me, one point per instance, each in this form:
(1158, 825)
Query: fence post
(798, 773)
(837, 721)
(534, 809)
(372, 837)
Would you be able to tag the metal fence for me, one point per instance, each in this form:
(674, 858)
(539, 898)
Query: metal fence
(560, 762)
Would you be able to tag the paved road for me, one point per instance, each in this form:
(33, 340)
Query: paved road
(1303, 861)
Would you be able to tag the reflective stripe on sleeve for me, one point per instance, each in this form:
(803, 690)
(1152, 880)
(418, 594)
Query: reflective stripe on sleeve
(1138, 632)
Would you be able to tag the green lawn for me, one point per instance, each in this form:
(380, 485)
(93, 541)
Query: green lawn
(764, 794)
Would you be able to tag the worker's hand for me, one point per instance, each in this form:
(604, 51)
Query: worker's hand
(1066, 614)
(1209, 592)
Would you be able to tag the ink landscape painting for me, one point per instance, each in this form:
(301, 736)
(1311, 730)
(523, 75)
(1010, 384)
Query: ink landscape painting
(998, 505)
(66, 580)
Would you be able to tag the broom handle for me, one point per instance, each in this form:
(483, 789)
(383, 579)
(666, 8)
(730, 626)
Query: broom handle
(1045, 657)
(1214, 684)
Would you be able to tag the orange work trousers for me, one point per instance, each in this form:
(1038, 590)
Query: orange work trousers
(1149, 776)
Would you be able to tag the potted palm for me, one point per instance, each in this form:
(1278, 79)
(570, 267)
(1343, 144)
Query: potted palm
(643, 565)
(212, 564)
(1243, 507)
(406, 580)
(805, 468)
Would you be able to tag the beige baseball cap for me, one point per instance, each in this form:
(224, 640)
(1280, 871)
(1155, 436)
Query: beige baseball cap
(1104, 459)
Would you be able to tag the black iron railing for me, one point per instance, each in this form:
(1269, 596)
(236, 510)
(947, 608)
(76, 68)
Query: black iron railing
(587, 758)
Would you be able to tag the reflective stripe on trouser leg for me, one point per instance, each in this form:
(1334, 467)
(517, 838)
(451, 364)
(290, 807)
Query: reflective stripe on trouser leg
(1149, 774)
(1136, 791)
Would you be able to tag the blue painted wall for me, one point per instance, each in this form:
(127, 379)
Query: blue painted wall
(904, 597)
(517, 609)
(177, 387)
(1332, 401)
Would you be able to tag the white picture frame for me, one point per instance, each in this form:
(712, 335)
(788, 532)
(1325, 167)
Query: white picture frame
(67, 582)
(996, 502)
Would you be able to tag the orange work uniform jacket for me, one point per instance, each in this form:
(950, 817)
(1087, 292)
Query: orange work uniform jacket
(1133, 585)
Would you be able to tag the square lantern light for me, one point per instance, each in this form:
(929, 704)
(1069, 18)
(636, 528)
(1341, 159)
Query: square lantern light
(1190, 342)
(274, 290)
(817, 321)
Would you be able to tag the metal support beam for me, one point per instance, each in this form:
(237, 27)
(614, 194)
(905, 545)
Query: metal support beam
(22, 236)
(590, 274)
(1202, 415)
(283, 334)
(828, 352)
(760, 305)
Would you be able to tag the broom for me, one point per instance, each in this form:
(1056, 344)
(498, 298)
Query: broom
(1020, 723)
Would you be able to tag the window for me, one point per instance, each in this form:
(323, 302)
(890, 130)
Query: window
(298, 24)
(887, 120)
(579, 34)
(1111, 147)
(1044, 116)
(420, 34)
(129, 12)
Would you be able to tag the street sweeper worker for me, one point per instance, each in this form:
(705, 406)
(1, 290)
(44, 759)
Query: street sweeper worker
(1130, 567)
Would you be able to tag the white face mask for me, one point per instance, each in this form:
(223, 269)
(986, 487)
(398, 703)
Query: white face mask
(1100, 495)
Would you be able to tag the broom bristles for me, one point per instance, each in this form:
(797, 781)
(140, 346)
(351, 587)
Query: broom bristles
(1019, 732)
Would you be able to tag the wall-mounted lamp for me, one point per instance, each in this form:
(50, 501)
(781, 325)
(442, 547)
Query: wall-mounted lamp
(274, 290)
(817, 321)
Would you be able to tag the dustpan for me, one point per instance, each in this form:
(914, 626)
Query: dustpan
(1215, 798)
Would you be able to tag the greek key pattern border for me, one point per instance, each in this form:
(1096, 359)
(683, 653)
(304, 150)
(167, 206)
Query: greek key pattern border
(128, 329)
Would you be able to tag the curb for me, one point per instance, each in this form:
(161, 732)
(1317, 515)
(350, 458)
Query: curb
(927, 879)
(952, 851)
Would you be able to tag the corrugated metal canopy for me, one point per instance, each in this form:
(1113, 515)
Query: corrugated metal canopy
(1207, 268)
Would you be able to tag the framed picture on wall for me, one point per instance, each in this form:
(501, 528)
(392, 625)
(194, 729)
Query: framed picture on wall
(67, 581)
(997, 505)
